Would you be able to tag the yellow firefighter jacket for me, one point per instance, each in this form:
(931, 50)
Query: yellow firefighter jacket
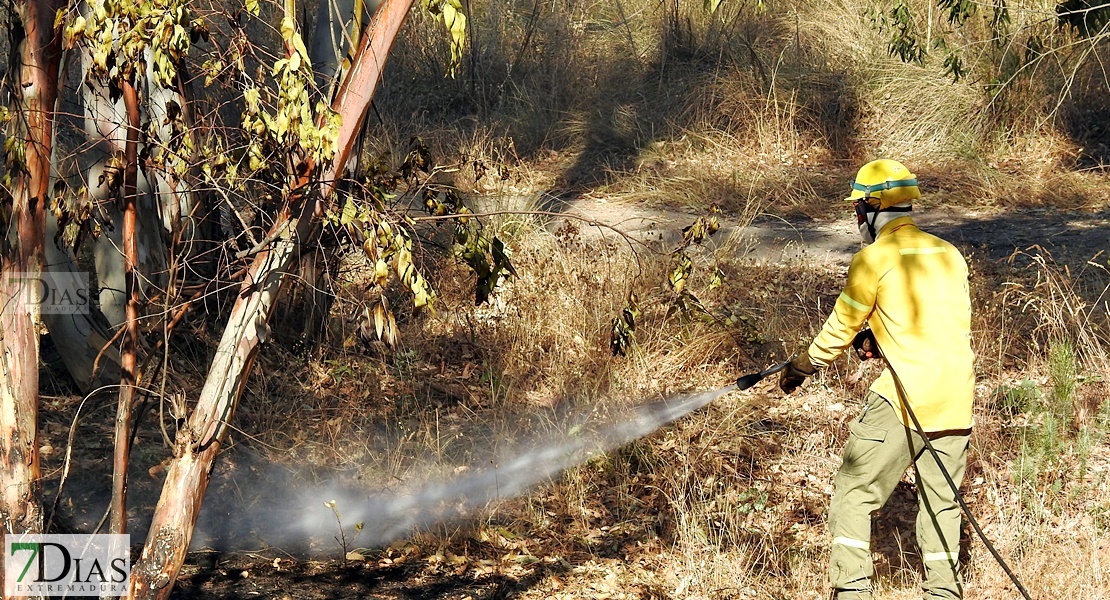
(911, 288)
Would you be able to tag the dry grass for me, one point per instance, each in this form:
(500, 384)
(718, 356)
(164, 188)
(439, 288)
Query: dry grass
(664, 106)
(732, 497)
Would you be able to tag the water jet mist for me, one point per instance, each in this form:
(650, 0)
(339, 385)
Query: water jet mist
(299, 518)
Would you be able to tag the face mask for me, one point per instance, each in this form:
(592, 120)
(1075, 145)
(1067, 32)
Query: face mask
(870, 219)
(865, 220)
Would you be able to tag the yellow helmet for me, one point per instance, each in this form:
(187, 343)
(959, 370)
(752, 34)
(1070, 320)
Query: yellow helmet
(883, 183)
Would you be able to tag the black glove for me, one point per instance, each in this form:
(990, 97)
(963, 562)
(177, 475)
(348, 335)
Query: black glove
(866, 346)
(796, 372)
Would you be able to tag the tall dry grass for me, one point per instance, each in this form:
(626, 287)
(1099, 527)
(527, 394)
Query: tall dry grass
(643, 100)
(756, 111)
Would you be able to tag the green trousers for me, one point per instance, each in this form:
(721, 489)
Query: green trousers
(879, 450)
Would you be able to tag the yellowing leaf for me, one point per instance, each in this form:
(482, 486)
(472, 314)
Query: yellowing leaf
(717, 279)
(282, 123)
(251, 96)
(421, 298)
(455, 21)
(404, 264)
(380, 319)
(391, 331)
(680, 273)
(381, 273)
(371, 249)
(75, 30)
(298, 44)
(288, 29)
(350, 212)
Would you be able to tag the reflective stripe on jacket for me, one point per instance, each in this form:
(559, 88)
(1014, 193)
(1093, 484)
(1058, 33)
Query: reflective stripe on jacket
(911, 288)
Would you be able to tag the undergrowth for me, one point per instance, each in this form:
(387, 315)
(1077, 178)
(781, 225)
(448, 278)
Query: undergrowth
(754, 111)
(733, 496)
(666, 102)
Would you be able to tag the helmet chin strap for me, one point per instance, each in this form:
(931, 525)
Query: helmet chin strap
(874, 221)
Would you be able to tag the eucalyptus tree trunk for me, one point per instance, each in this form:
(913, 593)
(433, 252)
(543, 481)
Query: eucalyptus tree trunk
(166, 215)
(164, 207)
(199, 442)
(81, 337)
(35, 91)
(338, 25)
(129, 360)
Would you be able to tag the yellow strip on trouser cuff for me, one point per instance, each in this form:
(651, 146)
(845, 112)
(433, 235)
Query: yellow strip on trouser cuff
(950, 556)
(843, 541)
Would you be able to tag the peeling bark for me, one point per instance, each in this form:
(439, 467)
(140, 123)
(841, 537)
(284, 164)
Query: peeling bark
(198, 443)
(357, 89)
(35, 91)
(129, 353)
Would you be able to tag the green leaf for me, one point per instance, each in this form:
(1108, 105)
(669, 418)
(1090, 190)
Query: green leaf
(350, 212)
(501, 260)
(680, 273)
(717, 280)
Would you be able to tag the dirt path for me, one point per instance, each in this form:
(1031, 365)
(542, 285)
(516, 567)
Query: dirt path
(1071, 238)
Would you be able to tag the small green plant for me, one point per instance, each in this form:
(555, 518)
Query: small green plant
(1019, 399)
(344, 543)
(1055, 445)
(1063, 374)
(1101, 516)
(338, 371)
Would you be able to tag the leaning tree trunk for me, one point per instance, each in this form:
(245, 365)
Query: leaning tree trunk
(35, 91)
(198, 443)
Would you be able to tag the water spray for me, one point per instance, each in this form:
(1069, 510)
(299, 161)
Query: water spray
(301, 519)
(395, 516)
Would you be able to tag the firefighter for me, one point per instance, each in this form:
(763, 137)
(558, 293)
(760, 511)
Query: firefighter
(910, 290)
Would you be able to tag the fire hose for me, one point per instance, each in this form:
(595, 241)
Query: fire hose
(956, 490)
(867, 348)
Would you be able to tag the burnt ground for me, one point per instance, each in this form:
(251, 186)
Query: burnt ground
(244, 576)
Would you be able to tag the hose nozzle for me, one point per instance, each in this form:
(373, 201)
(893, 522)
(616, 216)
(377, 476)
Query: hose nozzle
(751, 379)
